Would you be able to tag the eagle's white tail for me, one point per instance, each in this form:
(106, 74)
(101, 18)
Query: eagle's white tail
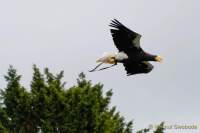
(107, 58)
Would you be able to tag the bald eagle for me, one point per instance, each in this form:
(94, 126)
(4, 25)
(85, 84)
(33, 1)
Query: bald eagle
(130, 54)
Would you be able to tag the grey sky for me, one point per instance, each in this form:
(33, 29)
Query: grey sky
(70, 35)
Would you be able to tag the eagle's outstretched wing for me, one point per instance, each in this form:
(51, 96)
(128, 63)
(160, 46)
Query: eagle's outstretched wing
(138, 67)
(125, 39)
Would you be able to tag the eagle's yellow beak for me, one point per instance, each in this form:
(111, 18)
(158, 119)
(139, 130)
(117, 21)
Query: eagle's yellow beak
(159, 59)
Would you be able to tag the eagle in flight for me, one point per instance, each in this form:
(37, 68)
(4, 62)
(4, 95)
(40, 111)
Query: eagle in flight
(131, 55)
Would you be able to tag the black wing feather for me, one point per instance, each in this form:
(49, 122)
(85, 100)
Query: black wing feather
(124, 39)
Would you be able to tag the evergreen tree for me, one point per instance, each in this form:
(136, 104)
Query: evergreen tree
(50, 108)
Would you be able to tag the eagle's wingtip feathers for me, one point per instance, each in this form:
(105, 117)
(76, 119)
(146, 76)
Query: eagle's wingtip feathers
(115, 23)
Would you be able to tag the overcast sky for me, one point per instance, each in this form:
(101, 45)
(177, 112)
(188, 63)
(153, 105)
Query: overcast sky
(70, 35)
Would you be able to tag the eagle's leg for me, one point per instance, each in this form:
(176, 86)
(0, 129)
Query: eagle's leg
(96, 67)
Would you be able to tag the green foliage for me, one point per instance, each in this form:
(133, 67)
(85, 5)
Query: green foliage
(146, 130)
(4, 122)
(160, 128)
(50, 108)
